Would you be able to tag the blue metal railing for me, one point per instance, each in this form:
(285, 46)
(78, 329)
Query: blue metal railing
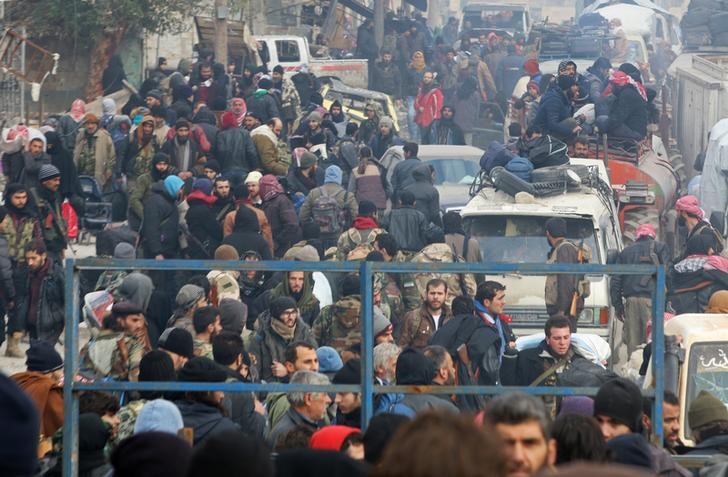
(367, 388)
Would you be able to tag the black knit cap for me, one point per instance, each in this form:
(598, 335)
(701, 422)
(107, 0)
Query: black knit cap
(151, 454)
(556, 226)
(177, 341)
(281, 304)
(366, 207)
(621, 400)
(42, 357)
(202, 370)
(413, 367)
(349, 374)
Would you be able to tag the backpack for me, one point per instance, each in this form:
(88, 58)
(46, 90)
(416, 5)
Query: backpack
(496, 155)
(547, 151)
(328, 214)
(520, 167)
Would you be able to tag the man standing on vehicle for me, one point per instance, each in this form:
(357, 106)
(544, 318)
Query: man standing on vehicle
(562, 294)
(636, 290)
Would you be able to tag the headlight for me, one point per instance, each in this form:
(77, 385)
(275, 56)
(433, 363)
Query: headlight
(586, 316)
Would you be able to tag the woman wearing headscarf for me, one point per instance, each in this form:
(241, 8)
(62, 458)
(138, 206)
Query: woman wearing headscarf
(62, 159)
(70, 123)
(113, 76)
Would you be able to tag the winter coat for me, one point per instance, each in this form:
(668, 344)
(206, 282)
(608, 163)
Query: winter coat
(639, 253)
(202, 225)
(428, 103)
(446, 132)
(629, 109)
(553, 109)
(268, 346)
(138, 156)
(176, 160)
(7, 287)
(408, 226)
(204, 419)
(140, 193)
(371, 185)
(101, 147)
(457, 242)
(418, 327)
(246, 235)
(68, 129)
(690, 290)
(235, 150)
(23, 229)
(263, 105)
(62, 159)
(368, 129)
(283, 222)
(386, 77)
(402, 174)
(241, 409)
(298, 183)
(366, 43)
(523, 369)
(265, 230)
(379, 144)
(160, 229)
(290, 101)
(47, 207)
(289, 421)
(596, 85)
(509, 71)
(306, 84)
(343, 198)
(266, 145)
(427, 199)
(50, 302)
(47, 395)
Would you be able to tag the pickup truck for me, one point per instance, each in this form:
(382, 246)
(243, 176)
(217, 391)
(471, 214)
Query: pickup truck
(291, 52)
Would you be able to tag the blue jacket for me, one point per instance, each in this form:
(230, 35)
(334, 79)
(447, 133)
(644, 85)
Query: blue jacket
(553, 109)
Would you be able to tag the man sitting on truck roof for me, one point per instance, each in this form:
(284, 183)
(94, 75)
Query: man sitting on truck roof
(554, 113)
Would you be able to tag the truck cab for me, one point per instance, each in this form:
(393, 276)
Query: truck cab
(500, 18)
(696, 359)
(513, 231)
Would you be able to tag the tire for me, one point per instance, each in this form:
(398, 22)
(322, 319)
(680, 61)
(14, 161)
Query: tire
(512, 184)
(719, 23)
(696, 17)
(634, 218)
(557, 173)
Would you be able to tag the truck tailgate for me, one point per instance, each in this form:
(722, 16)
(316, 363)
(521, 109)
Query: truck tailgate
(354, 73)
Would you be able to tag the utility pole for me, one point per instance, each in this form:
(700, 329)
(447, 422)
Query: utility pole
(221, 31)
(379, 22)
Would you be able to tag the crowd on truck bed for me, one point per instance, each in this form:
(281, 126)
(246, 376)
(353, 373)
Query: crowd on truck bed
(238, 163)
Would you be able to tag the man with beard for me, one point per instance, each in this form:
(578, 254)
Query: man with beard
(206, 321)
(428, 104)
(20, 229)
(183, 149)
(369, 126)
(40, 302)
(290, 101)
(47, 202)
(385, 138)
(268, 143)
(445, 131)
(299, 286)
(142, 149)
(670, 420)
(315, 135)
(386, 76)
(225, 202)
(94, 153)
(33, 159)
(159, 170)
(523, 425)
(418, 326)
(251, 121)
(302, 179)
(338, 117)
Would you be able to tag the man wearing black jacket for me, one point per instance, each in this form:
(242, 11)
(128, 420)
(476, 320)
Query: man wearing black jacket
(244, 409)
(160, 229)
(636, 290)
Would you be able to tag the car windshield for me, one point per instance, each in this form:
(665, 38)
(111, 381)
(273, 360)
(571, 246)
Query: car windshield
(708, 371)
(453, 170)
(499, 19)
(522, 239)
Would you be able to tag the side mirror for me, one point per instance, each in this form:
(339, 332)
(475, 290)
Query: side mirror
(612, 255)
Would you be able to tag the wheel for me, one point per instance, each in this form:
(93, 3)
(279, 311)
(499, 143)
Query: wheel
(633, 218)
(512, 184)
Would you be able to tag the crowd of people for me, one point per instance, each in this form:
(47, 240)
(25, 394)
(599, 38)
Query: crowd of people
(202, 163)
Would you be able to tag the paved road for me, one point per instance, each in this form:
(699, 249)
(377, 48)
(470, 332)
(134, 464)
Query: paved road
(13, 365)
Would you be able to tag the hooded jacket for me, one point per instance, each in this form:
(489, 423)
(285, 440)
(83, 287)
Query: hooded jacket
(427, 199)
(553, 109)
(308, 304)
(235, 149)
(44, 311)
(204, 419)
(266, 145)
(62, 159)
(160, 229)
(408, 226)
(246, 234)
(202, 225)
(280, 213)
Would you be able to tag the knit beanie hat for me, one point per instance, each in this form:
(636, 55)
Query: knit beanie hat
(42, 357)
(366, 207)
(556, 226)
(350, 373)
(124, 251)
(705, 409)
(579, 405)
(386, 121)
(213, 165)
(151, 454)
(176, 340)
(381, 323)
(20, 427)
(48, 172)
(631, 449)
(156, 365)
(233, 314)
(329, 360)
(155, 93)
(307, 253)
(281, 304)
(159, 415)
(160, 157)
(203, 184)
(308, 159)
(331, 437)
(253, 177)
(718, 302)
(226, 252)
(188, 295)
(202, 370)
(333, 175)
(413, 367)
(172, 185)
(228, 121)
(621, 400)
(314, 116)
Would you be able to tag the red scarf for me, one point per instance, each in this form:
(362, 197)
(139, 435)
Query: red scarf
(365, 223)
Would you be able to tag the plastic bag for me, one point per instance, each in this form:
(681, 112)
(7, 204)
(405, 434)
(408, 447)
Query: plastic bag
(71, 218)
